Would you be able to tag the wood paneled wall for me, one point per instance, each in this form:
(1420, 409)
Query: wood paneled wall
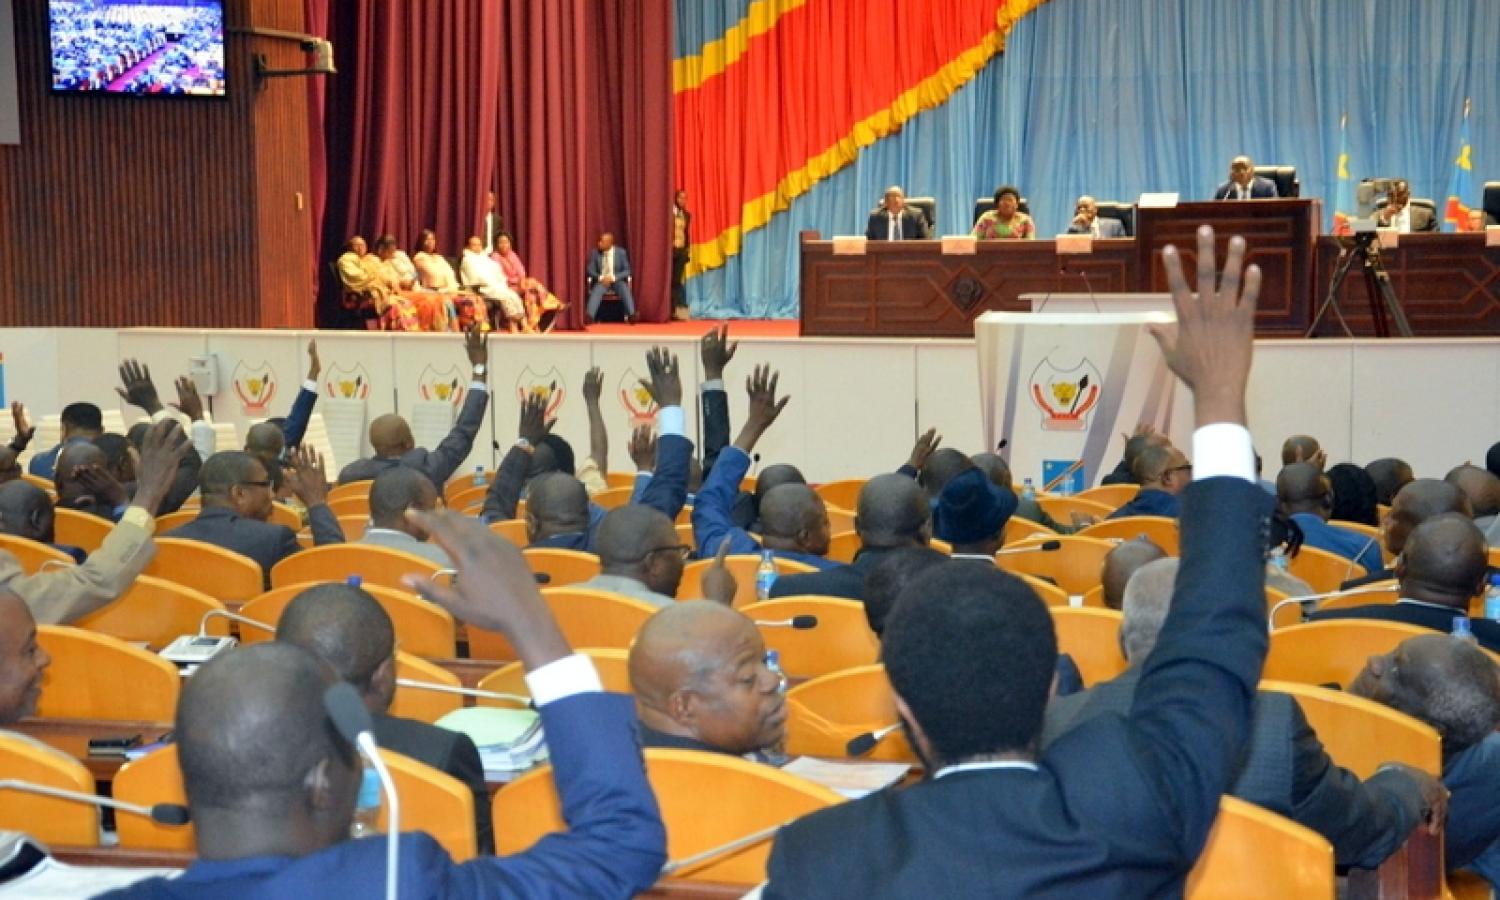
(121, 211)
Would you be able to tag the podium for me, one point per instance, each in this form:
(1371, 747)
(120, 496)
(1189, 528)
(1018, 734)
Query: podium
(1061, 387)
(1281, 235)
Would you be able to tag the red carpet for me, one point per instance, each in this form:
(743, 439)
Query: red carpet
(761, 328)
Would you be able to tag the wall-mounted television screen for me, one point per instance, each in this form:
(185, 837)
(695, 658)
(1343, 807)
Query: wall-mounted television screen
(140, 47)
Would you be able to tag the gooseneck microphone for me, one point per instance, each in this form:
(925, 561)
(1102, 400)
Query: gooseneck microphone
(697, 859)
(233, 617)
(1043, 547)
(462, 691)
(160, 813)
(800, 623)
(352, 719)
(866, 742)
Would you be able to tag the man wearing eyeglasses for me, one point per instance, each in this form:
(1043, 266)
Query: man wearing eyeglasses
(1163, 472)
(640, 555)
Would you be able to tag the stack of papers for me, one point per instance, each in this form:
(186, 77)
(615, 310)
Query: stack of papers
(850, 778)
(510, 741)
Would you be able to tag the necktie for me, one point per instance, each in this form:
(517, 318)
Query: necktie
(895, 227)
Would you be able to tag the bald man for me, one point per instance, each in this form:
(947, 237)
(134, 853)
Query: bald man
(1482, 488)
(394, 445)
(1416, 502)
(699, 675)
(892, 513)
(1244, 184)
(640, 555)
(22, 660)
(1162, 471)
(394, 493)
(1442, 567)
(1122, 562)
(1303, 493)
(1086, 220)
(1390, 476)
(1302, 448)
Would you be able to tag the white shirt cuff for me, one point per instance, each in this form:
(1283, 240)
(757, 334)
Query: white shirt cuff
(477, 386)
(713, 384)
(1223, 449)
(310, 385)
(563, 678)
(671, 420)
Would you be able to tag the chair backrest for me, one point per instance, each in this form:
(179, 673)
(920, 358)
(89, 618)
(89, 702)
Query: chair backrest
(840, 519)
(685, 534)
(49, 820)
(153, 610)
(1061, 509)
(843, 546)
(168, 521)
(95, 676)
(281, 514)
(462, 482)
(222, 574)
(81, 529)
(685, 515)
(983, 205)
(597, 618)
(417, 703)
(562, 567)
(422, 628)
(1381, 592)
(1112, 495)
(1322, 570)
(513, 530)
(351, 505)
(151, 779)
(1285, 177)
(1160, 530)
(1051, 594)
(1280, 616)
(1092, 638)
(1249, 846)
(841, 639)
(824, 714)
(620, 479)
(434, 802)
(1369, 531)
(1074, 566)
(1332, 652)
(742, 567)
(45, 484)
(465, 497)
(1124, 212)
(33, 555)
(354, 489)
(612, 665)
(706, 799)
(1019, 529)
(1362, 735)
(613, 498)
(843, 494)
(382, 566)
(352, 527)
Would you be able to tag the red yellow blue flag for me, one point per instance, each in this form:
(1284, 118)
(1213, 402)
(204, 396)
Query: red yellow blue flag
(1461, 186)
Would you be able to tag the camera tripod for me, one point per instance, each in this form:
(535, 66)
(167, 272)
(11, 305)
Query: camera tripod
(1365, 251)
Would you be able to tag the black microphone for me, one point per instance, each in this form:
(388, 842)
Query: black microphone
(161, 813)
(1043, 547)
(1004, 442)
(866, 742)
(800, 623)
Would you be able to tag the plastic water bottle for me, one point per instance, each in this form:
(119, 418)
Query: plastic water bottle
(776, 754)
(1492, 600)
(355, 580)
(1462, 631)
(1028, 490)
(479, 476)
(765, 575)
(367, 807)
(773, 662)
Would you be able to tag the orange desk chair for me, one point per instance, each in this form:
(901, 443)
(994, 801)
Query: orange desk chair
(742, 567)
(1092, 638)
(352, 489)
(381, 566)
(706, 799)
(1061, 509)
(513, 530)
(351, 505)
(614, 497)
(1322, 570)
(1160, 530)
(222, 574)
(562, 567)
(281, 514)
(434, 802)
(1113, 496)
(420, 703)
(844, 546)
(422, 628)
(840, 636)
(1074, 566)
(1051, 594)
(34, 555)
(169, 521)
(151, 779)
(1255, 853)
(1332, 652)
(156, 611)
(840, 520)
(843, 494)
(1019, 529)
(81, 529)
(612, 665)
(47, 819)
(1362, 735)
(1370, 532)
(95, 676)
(824, 714)
(464, 498)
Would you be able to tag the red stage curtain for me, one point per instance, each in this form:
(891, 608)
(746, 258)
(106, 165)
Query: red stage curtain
(564, 106)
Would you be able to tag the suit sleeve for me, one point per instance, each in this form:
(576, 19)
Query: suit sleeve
(183, 483)
(623, 271)
(591, 269)
(1365, 821)
(1192, 708)
(715, 426)
(443, 461)
(924, 230)
(325, 526)
(60, 595)
(614, 845)
(873, 231)
(668, 488)
(504, 495)
(715, 500)
(296, 420)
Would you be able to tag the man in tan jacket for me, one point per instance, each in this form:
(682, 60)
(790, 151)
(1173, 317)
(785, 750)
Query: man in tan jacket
(61, 595)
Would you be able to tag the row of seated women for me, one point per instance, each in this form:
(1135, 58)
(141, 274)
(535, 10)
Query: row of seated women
(423, 293)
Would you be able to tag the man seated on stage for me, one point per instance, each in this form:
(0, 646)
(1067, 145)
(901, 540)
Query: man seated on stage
(1163, 472)
(1482, 489)
(1451, 685)
(1304, 494)
(272, 785)
(394, 445)
(1285, 768)
(23, 661)
(81, 423)
(1442, 568)
(392, 493)
(1390, 476)
(1086, 220)
(1416, 502)
(895, 221)
(346, 628)
(609, 269)
(1399, 214)
(971, 513)
(57, 596)
(484, 275)
(1123, 805)
(699, 674)
(237, 508)
(1244, 184)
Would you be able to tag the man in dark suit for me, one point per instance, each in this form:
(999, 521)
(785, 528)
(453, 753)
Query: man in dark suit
(1163, 472)
(1086, 220)
(493, 224)
(237, 503)
(1443, 566)
(1120, 806)
(1244, 184)
(609, 267)
(1285, 768)
(1452, 686)
(1416, 502)
(392, 440)
(345, 627)
(272, 784)
(682, 253)
(895, 221)
(1304, 494)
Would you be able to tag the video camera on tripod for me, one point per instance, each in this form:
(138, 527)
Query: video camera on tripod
(1363, 246)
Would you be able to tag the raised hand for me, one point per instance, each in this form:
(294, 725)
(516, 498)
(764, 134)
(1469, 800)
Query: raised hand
(106, 490)
(764, 407)
(24, 430)
(138, 388)
(162, 452)
(716, 351)
(923, 448)
(474, 340)
(643, 449)
(311, 482)
(718, 582)
(1212, 342)
(593, 386)
(495, 588)
(665, 385)
(534, 424)
(188, 402)
(314, 364)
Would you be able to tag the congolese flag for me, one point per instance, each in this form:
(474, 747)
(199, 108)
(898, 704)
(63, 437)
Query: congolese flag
(1343, 182)
(1456, 213)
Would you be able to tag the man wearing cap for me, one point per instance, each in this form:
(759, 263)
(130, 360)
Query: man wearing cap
(971, 513)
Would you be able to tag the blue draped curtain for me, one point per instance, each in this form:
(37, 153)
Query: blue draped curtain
(1112, 99)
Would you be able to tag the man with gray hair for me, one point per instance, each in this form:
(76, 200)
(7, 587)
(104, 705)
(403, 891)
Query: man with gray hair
(1285, 768)
(895, 221)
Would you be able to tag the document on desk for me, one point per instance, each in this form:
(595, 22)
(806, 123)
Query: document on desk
(51, 879)
(853, 779)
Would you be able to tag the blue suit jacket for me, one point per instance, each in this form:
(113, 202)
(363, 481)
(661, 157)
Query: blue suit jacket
(265, 542)
(1348, 544)
(1472, 838)
(1260, 189)
(596, 264)
(712, 519)
(438, 464)
(1109, 227)
(1120, 806)
(1149, 502)
(614, 846)
(296, 420)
